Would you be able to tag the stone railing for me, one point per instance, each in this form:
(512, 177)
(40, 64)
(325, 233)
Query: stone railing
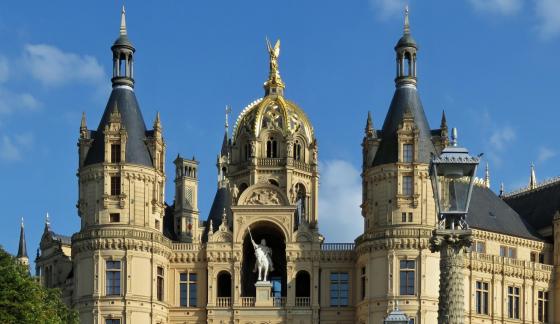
(247, 301)
(185, 246)
(302, 166)
(543, 270)
(278, 301)
(303, 302)
(270, 162)
(337, 247)
(223, 302)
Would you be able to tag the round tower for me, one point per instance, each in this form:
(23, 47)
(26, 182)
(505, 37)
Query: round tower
(120, 246)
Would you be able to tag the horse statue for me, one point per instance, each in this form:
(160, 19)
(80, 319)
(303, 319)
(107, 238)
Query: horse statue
(264, 261)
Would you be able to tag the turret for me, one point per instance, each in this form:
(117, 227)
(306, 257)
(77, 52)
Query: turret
(406, 56)
(186, 214)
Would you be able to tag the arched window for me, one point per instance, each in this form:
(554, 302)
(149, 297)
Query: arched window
(271, 148)
(224, 284)
(297, 151)
(273, 182)
(301, 205)
(303, 289)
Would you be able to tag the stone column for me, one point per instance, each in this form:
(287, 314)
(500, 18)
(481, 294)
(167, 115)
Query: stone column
(451, 244)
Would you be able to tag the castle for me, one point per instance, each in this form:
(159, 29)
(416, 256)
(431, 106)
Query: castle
(138, 260)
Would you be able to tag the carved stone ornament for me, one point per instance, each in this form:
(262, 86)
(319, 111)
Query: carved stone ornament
(263, 197)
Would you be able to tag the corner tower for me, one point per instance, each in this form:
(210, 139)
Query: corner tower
(398, 205)
(121, 180)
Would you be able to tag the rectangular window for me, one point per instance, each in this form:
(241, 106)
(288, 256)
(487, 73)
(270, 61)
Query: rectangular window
(114, 217)
(187, 289)
(363, 283)
(480, 247)
(481, 297)
(407, 185)
(115, 153)
(113, 278)
(339, 289)
(157, 224)
(410, 217)
(160, 283)
(513, 302)
(541, 257)
(403, 217)
(115, 185)
(542, 312)
(407, 277)
(112, 321)
(537, 257)
(407, 153)
(508, 252)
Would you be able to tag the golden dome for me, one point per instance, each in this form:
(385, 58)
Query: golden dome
(273, 112)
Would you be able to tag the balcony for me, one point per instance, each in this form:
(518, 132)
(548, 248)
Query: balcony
(271, 162)
(337, 247)
(278, 301)
(223, 302)
(303, 302)
(247, 301)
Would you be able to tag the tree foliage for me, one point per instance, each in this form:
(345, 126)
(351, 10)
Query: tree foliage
(23, 300)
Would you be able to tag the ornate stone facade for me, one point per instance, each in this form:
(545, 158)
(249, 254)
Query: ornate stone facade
(138, 260)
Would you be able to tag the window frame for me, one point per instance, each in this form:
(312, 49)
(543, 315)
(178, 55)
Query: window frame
(408, 153)
(189, 281)
(513, 301)
(115, 185)
(340, 285)
(482, 297)
(113, 275)
(543, 306)
(160, 283)
(409, 275)
(407, 185)
(116, 155)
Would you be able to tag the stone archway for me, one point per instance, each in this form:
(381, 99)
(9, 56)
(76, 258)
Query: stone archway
(276, 240)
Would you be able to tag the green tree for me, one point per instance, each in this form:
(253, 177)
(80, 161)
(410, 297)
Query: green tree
(23, 300)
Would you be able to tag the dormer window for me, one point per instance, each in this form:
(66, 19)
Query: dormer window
(271, 148)
(407, 153)
(115, 153)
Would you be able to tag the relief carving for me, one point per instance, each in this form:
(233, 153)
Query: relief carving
(263, 197)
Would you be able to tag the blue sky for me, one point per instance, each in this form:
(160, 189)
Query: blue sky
(492, 64)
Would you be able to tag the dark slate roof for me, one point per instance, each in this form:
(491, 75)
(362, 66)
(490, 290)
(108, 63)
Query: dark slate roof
(221, 200)
(406, 41)
(537, 206)
(123, 41)
(136, 149)
(22, 248)
(405, 98)
(225, 144)
(490, 213)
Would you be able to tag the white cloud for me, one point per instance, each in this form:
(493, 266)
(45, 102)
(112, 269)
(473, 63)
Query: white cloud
(385, 9)
(548, 13)
(11, 148)
(501, 137)
(340, 196)
(4, 69)
(11, 102)
(53, 67)
(502, 7)
(545, 154)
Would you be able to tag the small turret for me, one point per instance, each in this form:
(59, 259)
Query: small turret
(406, 56)
(123, 51)
(186, 199)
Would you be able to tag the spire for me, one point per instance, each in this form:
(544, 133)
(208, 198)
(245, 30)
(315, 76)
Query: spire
(123, 22)
(22, 249)
(502, 191)
(533, 178)
(369, 130)
(47, 221)
(406, 21)
(443, 120)
(274, 84)
(83, 124)
(225, 143)
(226, 125)
(487, 176)
(157, 121)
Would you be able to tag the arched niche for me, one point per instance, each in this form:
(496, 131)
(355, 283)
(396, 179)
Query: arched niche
(263, 194)
(224, 284)
(303, 284)
(276, 240)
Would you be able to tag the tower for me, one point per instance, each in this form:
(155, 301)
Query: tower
(398, 205)
(121, 179)
(21, 256)
(186, 199)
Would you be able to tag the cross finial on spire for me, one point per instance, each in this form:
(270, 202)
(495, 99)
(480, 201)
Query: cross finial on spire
(406, 21)
(228, 111)
(487, 176)
(47, 220)
(123, 22)
(501, 189)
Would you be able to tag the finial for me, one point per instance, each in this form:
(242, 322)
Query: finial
(228, 111)
(487, 176)
(454, 136)
(406, 22)
(224, 217)
(22, 222)
(123, 22)
(157, 121)
(211, 228)
(533, 179)
(501, 190)
(274, 83)
(47, 220)
(83, 124)
(369, 125)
